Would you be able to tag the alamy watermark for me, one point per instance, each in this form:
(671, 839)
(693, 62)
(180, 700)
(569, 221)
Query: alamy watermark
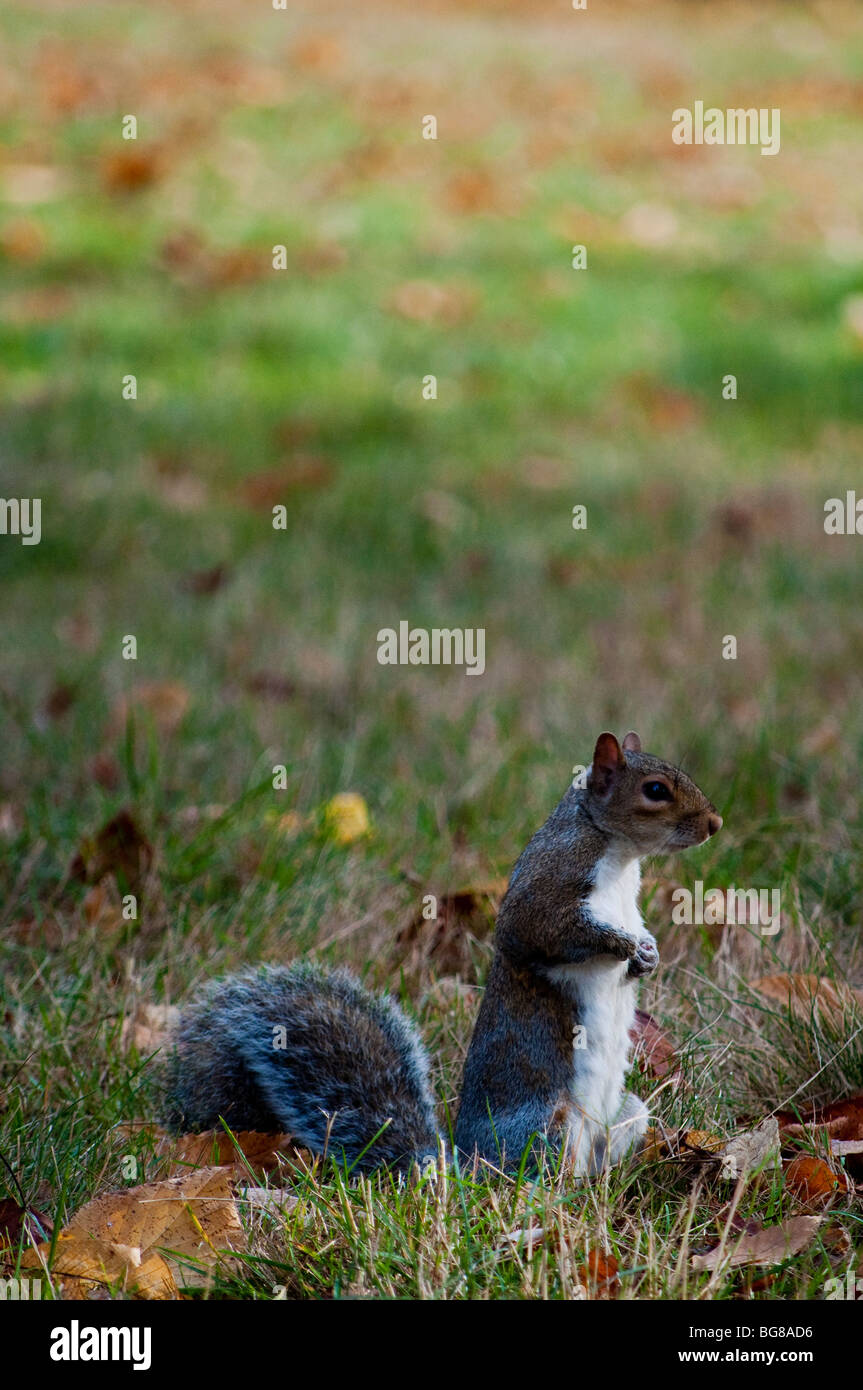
(843, 516)
(21, 516)
(761, 907)
(437, 646)
(737, 126)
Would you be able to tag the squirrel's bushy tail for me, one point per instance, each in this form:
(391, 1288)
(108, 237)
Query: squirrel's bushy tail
(308, 1052)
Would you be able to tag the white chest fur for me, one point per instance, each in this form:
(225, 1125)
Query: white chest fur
(604, 999)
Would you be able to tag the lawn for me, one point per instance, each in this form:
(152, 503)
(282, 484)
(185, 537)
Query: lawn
(255, 647)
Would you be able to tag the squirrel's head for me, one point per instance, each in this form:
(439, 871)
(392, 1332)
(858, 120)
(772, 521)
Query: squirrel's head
(651, 803)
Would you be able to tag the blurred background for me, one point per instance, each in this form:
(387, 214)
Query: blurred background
(303, 387)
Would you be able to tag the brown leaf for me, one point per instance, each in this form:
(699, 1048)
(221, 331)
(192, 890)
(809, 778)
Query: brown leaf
(278, 486)
(239, 265)
(105, 770)
(165, 702)
(22, 239)
(113, 1238)
(319, 53)
(16, 1220)
(58, 701)
(701, 1141)
(666, 407)
(599, 1275)
(178, 1153)
(102, 907)
(652, 1046)
(811, 997)
(476, 190)
(132, 168)
(814, 1182)
(770, 1246)
(119, 848)
(207, 581)
(41, 304)
(446, 944)
(85, 1263)
(271, 685)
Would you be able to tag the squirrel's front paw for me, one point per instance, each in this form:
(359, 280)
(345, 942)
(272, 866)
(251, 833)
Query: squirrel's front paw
(645, 959)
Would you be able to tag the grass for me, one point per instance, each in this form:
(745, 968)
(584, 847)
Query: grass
(556, 387)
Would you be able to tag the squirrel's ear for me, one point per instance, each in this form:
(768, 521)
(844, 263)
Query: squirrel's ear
(632, 743)
(607, 762)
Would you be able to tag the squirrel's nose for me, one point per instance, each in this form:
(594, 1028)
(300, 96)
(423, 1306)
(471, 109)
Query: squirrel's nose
(714, 823)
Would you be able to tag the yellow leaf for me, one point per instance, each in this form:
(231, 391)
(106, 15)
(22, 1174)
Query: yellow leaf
(346, 818)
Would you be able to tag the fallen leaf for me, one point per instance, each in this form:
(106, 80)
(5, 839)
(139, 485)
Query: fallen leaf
(446, 944)
(131, 169)
(119, 848)
(319, 53)
(665, 407)
(272, 685)
(113, 1238)
(102, 907)
(207, 581)
(702, 1141)
(16, 1221)
(841, 1120)
(652, 1046)
(41, 304)
(522, 1242)
(841, 1147)
(814, 1182)
(769, 1246)
(757, 1148)
(346, 818)
(269, 1201)
(176, 1153)
(278, 486)
(655, 1145)
(105, 770)
(165, 702)
(599, 1275)
(58, 701)
(811, 997)
(474, 191)
(239, 265)
(84, 1263)
(23, 240)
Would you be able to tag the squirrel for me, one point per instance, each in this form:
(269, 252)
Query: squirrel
(310, 1052)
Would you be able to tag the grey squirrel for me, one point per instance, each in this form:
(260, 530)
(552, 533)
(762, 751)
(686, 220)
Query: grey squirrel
(309, 1052)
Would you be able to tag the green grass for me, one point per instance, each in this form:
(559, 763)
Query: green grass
(556, 387)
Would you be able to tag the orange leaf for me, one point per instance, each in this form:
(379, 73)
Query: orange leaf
(599, 1275)
(813, 1181)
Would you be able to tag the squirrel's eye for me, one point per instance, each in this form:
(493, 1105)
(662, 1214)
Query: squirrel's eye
(656, 791)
